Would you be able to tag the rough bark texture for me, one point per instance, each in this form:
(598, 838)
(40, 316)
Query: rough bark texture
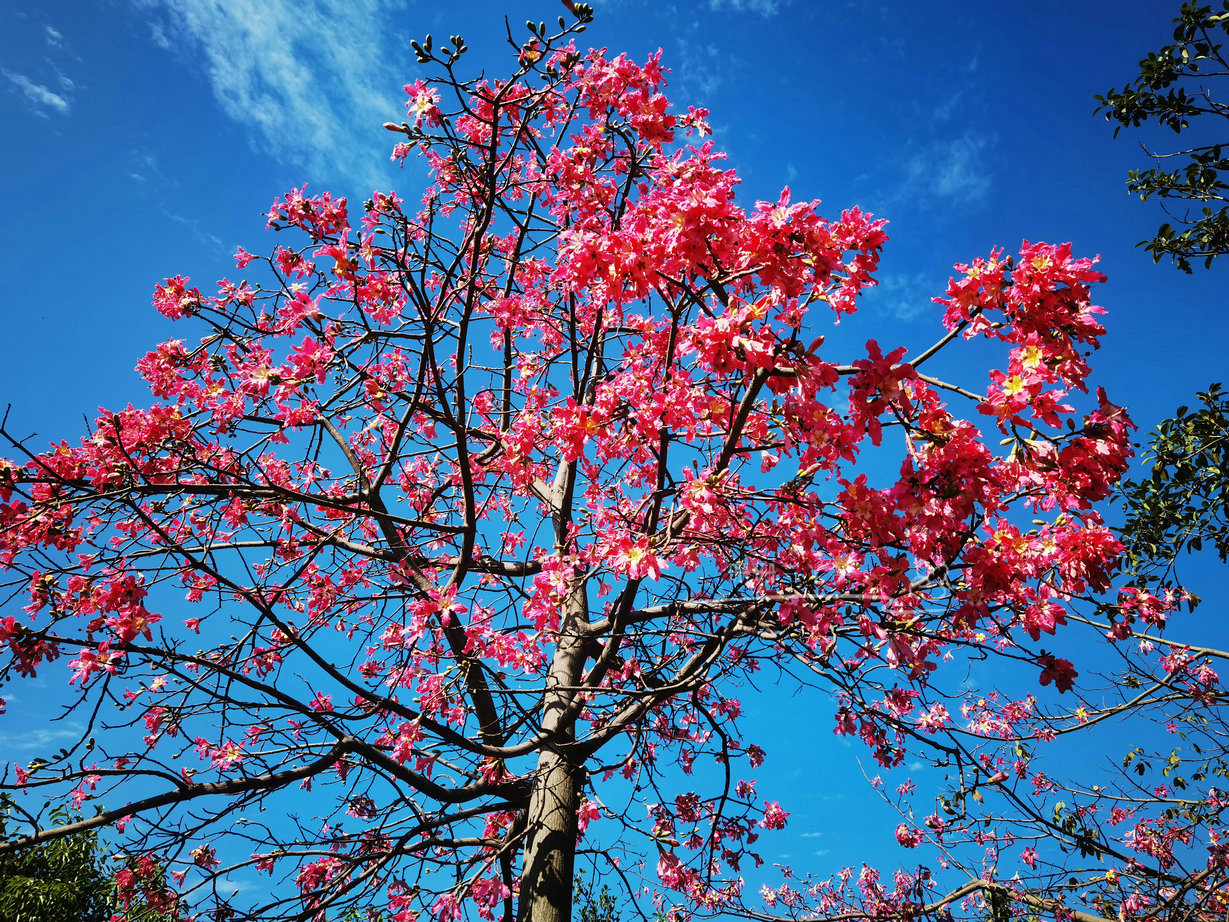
(550, 842)
(550, 847)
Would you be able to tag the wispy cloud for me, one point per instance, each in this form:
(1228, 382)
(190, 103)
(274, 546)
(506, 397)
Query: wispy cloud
(952, 169)
(762, 7)
(228, 886)
(198, 230)
(41, 738)
(308, 77)
(903, 296)
(54, 37)
(945, 111)
(145, 167)
(43, 99)
(698, 68)
(811, 835)
(159, 37)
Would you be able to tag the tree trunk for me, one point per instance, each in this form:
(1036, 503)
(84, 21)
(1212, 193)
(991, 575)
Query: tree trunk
(550, 841)
(549, 854)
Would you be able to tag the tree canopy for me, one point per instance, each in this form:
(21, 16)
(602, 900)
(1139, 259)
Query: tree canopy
(1185, 499)
(1176, 86)
(64, 878)
(459, 530)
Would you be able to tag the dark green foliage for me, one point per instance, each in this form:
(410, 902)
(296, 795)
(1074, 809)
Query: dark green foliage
(591, 904)
(56, 882)
(594, 906)
(1185, 502)
(1176, 85)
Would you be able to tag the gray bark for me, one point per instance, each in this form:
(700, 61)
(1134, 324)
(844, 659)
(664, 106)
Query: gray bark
(550, 833)
(550, 844)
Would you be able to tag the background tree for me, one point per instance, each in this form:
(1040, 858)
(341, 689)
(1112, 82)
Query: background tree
(65, 878)
(488, 510)
(1175, 86)
(1169, 792)
(594, 902)
(1185, 499)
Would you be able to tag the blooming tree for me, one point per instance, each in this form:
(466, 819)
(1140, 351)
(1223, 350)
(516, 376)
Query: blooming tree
(488, 507)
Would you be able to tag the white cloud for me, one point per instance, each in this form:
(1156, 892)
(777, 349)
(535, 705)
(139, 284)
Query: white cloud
(700, 69)
(158, 35)
(228, 886)
(944, 112)
(903, 296)
(54, 36)
(307, 76)
(195, 227)
(811, 835)
(954, 169)
(41, 738)
(763, 7)
(42, 98)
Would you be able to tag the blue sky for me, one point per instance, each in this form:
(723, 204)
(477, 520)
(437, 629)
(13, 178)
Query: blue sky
(146, 137)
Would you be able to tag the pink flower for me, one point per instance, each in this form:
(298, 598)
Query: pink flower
(423, 103)
(935, 718)
(447, 907)
(1058, 671)
(669, 869)
(401, 152)
(908, 837)
(88, 662)
(205, 857)
(774, 816)
(589, 811)
(227, 755)
(634, 559)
